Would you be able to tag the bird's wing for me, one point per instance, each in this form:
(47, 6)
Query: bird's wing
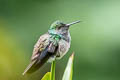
(40, 45)
(41, 53)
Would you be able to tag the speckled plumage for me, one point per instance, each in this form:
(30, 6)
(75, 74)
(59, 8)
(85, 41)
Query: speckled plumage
(52, 45)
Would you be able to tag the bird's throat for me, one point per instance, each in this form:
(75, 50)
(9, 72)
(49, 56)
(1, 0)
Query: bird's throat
(55, 37)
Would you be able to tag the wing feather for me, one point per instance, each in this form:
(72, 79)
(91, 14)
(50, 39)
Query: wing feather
(43, 49)
(40, 45)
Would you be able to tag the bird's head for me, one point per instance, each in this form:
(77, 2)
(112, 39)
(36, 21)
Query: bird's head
(60, 27)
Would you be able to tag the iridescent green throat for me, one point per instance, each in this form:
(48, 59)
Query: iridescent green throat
(54, 34)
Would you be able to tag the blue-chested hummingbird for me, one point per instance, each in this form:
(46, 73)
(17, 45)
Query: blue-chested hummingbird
(51, 46)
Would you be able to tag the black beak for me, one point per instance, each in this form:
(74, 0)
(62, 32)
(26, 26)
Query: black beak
(72, 23)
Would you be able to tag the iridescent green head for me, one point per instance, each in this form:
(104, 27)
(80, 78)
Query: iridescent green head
(59, 27)
(56, 24)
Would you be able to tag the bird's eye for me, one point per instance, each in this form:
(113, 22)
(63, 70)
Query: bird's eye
(59, 27)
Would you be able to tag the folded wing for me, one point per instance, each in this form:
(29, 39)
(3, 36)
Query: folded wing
(41, 53)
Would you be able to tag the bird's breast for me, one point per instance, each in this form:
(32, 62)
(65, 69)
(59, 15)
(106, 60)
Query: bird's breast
(62, 48)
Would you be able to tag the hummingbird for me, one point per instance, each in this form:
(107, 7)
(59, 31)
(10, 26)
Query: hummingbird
(52, 45)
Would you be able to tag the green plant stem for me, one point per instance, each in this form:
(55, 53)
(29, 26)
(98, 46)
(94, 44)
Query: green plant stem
(53, 70)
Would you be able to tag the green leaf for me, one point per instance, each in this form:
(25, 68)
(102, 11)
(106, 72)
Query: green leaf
(46, 76)
(69, 69)
(52, 77)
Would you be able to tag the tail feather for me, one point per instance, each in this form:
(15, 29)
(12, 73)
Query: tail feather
(38, 62)
(28, 68)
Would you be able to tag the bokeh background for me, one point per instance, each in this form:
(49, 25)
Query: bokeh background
(95, 41)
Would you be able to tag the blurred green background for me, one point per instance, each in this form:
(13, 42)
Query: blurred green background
(95, 41)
